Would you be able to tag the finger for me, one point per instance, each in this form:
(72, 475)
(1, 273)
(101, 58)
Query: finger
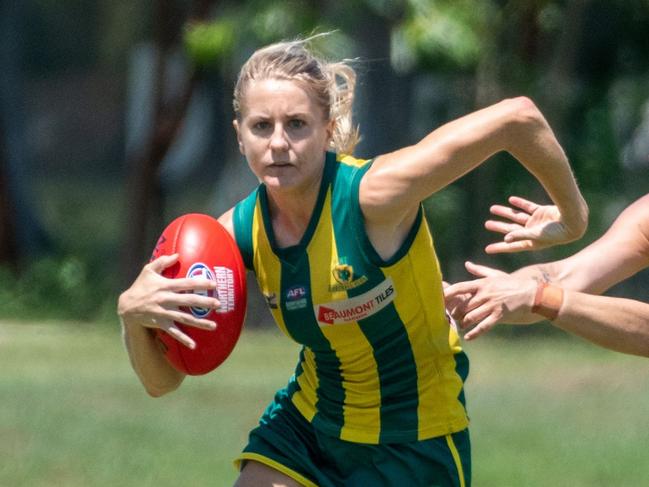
(191, 300)
(191, 284)
(445, 284)
(532, 233)
(516, 216)
(474, 312)
(451, 320)
(501, 227)
(460, 288)
(458, 312)
(525, 205)
(456, 306)
(510, 248)
(482, 270)
(481, 328)
(161, 263)
(188, 319)
(177, 334)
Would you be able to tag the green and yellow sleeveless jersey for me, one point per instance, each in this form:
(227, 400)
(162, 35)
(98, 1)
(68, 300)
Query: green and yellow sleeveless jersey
(379, 361)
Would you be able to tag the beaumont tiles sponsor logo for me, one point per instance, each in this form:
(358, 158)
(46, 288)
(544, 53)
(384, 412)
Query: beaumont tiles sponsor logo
(358, 307)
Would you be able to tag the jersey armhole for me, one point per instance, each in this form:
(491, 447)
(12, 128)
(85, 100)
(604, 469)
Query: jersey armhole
(242, 222)
(359, 224)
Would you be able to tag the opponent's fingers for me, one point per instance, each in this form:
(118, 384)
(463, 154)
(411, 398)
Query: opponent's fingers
(482, 270)
(532, 233)
(501, 227)
(161, 263)
(460, 288)
(457, 306)
(510, 248)
(475, 310)
(525, 205)
(481, 328)
(509, 213)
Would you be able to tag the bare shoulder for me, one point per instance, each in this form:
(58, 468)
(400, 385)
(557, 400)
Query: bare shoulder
(226, 220)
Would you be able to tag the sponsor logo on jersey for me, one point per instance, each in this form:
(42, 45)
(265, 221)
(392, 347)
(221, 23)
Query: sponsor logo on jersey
(296, 298)
(358, 307)
(198, 270)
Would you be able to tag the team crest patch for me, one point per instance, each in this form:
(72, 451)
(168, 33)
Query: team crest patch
(343, 273)
(358, 307)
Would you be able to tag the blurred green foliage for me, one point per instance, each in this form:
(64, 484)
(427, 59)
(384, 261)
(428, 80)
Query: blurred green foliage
(209, 42)
(427, 61)
(57, 288)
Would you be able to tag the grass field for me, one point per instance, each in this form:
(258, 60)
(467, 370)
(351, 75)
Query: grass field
(551, 412)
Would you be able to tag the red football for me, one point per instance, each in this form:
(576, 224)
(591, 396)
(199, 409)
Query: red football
(206, 250)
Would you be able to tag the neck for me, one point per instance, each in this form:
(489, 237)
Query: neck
(290, 213)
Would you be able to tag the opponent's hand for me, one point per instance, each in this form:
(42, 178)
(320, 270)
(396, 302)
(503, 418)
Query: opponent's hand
(153, 301)
(497, 297)
(528, 226)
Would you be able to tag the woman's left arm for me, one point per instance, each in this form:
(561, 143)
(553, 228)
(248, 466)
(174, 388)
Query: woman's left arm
(392, 189)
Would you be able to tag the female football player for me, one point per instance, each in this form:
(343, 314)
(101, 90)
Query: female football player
(342, 251)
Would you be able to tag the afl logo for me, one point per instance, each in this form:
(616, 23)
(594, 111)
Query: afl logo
(201, 271)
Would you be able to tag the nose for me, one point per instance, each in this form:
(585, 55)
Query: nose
(278, 140)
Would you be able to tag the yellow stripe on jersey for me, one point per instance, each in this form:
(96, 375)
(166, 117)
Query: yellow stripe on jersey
(346, 340)
(436, 377)
(350, 160)
(305, 399)
(268, 274)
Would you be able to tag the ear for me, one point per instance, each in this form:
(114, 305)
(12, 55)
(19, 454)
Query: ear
(331, 125)
(235, 124)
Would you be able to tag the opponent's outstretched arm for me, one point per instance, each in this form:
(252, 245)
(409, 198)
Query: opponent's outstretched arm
(615, 323)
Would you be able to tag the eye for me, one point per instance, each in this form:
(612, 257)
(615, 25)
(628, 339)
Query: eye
(261, 125)
(296, 123)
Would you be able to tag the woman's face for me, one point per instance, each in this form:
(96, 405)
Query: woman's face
(283, 134)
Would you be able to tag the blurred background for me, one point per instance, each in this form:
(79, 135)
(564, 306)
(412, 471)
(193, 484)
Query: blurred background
(115, 117)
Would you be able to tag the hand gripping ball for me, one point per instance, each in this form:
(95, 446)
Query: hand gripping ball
(206, 250)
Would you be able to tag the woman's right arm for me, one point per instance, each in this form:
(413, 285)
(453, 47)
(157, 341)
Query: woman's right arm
(392, 189)
(152, 302)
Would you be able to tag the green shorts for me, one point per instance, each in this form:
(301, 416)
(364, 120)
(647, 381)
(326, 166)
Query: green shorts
(287, 442)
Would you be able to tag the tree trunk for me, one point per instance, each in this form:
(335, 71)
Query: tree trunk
(144, 195)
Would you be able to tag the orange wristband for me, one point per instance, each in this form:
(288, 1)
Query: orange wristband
(548, 300)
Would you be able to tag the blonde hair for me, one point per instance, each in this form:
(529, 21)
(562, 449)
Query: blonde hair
(332, 83)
